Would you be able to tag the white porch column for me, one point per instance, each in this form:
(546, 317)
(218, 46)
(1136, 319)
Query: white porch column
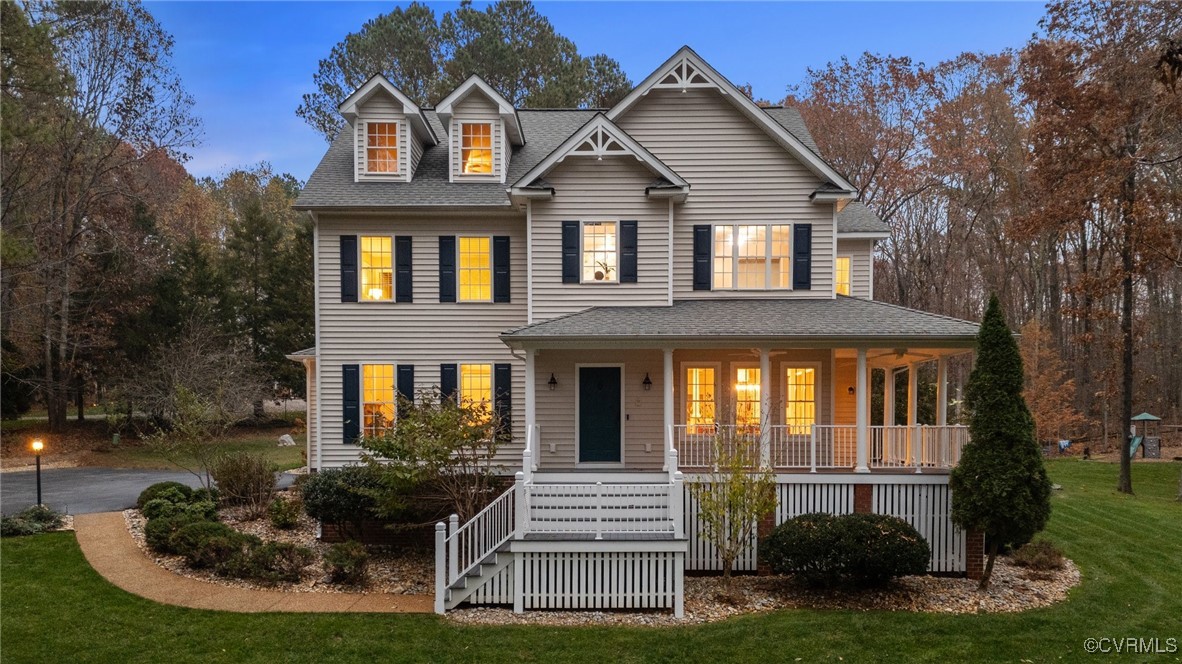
(862, 416)
(667, 391)
(913, 432)
(765, 408)
(888, 398)
(530, 458)
(942, 391)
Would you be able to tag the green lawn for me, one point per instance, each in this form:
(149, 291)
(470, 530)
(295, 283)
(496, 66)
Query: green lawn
(143, 456)
(55, 608)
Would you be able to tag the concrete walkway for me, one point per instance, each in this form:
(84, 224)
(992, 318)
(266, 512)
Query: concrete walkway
(112, 552)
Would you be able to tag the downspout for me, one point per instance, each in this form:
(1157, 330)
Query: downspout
(319, 363)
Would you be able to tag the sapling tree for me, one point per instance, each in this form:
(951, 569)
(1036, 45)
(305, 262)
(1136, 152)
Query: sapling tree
(1000, 487)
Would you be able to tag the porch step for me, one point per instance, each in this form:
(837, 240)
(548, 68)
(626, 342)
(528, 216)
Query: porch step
(479, 575)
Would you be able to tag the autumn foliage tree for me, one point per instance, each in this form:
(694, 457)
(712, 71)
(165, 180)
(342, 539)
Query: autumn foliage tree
(1049, 391)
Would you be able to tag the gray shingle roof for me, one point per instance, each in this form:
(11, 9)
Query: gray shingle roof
(857, 218)
(843, 319)
(332, 185)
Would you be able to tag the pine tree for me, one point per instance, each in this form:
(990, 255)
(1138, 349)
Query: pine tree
(1000, 486)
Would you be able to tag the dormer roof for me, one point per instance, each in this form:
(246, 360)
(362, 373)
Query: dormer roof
(378, 84)
(600, 137)
(504, 107)
(687, 70)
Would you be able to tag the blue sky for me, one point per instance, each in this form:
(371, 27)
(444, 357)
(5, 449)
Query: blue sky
(247, 65)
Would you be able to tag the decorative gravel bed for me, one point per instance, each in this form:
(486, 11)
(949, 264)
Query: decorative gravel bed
(1013, 589)
(405, 571)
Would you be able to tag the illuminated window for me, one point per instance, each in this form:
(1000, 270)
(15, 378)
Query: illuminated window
(843, 275)
(476, 388)
(381, 147)
(699, 399)
(475, 269)
(377, 274)
(378, 397)
(600, 252)
(476, 154)
(752, 257)
(800, 399)
(747, 406)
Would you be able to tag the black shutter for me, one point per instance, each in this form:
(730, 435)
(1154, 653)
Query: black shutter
(802, 256)
(449, 380)
(500, 261)
(628, 252)
(447, 268)
(570, 252)
(702, 256)
(403, 276)
(351, 402)
(503, 394)
(406, 381)
(348, 268)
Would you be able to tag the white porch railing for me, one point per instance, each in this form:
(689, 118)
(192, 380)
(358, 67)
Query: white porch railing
(919, 446)
(459, 549)
(820, 446)
(695, 443)
(598, 508)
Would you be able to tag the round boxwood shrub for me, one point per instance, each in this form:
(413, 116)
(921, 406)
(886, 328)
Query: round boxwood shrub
(270, 562)
(158, 532)
(209, 544)
(174, 492)
(157, 508)
(346, 562)
(338, 496)
(823, 550)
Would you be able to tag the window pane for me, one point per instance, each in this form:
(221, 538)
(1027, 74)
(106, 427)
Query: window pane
(377, 394)
(751, 243)
(747, 401)
(476, 386)
(381, 153)
(781, 256)
(476, 155)
(699, 400)
(599, 252)
(377, 275)
(724, 257)
(800, 399)
(475, 269)
(843, 275)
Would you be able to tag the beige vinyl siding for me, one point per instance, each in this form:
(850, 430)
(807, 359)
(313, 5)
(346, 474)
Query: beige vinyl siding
(477, 108)
(425, 333)
(381, 108)
(310, 428)
(861, 253)
(845, 404)
(738, 175)
(643, 426)
(416, 154)
(591, 190)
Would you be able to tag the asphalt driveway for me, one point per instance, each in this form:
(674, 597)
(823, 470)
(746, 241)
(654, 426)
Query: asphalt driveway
(87, 490)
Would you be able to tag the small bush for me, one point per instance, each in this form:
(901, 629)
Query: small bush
(270, 562)
(1040, 556)
(158, 532)
(167, 490)
(346, 562)
(34, 520)
(158, 508)
(823, 550)
(285, 514)
(338, 496)
(204, 495)
(245, 479)
(203, 509)
(208, 545)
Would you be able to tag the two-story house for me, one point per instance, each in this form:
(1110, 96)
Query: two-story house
(624, 286)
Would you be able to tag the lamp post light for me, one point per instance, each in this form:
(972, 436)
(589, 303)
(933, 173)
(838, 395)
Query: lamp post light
(37, 447)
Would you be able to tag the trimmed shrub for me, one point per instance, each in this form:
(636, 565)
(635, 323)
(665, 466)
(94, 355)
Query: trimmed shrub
(167, 490)
(158, 532)
(204, 495)
(285, 513)
(202, 509)
(158, 508)
(270, 562)
(346, 562)
(246, 479)
(34, 520)
(341, 496)
(1039, 555)
(823, 550)
(206, 544)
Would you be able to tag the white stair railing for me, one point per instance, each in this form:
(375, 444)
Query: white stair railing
(460, 549)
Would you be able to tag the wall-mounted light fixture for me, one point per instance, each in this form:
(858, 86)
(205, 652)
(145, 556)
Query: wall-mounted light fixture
(648, 382)
(851, 390)
(553, 382)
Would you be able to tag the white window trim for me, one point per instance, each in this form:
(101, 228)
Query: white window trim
(394, 377)
(361, 299)
(623, 418)
(837, 258)
(818, 386)
(492, 381)
(683, 367)
(455, 152)
(491, 270)
(767, 258)
(397, 172)
(734, 393)
(614, 281)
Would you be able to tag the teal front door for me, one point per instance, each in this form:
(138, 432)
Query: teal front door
(599, 415)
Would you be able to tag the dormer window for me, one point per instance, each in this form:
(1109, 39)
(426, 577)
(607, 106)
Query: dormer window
(476, 148)
(381, 147)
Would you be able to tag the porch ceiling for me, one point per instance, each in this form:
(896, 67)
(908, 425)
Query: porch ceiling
(840, 322)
